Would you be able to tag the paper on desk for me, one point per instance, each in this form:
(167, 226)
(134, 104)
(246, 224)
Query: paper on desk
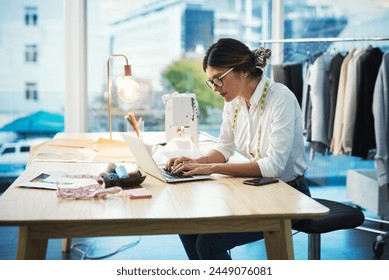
(78, 150)
(64, 150)
(112, 151)
(83, 150)
(78, 143)
(54, 179)
(103, 143)
(65, 155)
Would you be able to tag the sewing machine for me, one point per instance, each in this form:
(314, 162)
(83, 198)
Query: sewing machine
(181, 112)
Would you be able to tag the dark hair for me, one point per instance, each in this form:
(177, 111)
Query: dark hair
(228, 53)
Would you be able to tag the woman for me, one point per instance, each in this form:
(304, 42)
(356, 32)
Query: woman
(261, 119)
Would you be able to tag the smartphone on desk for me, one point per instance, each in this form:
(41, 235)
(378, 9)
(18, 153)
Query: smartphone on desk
(260, 181)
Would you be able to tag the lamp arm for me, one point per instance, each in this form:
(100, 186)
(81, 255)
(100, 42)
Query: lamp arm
(109, 88)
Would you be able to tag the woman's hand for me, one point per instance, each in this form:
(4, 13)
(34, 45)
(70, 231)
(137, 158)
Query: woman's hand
(192, 168)
(189, 165)
(172, 163)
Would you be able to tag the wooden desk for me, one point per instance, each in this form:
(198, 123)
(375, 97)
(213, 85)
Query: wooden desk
(220, 205)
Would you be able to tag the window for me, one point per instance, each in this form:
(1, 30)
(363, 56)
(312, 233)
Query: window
(331, 19)
(154, 36)
(32, 78)
(157, 37)
(31, 91)
(31, 15)
(352, 23)
(31, 53)
(162, 35)
(9, 150)
(24, 149)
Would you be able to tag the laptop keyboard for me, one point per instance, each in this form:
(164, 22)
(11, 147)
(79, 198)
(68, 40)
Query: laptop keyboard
(174, 175)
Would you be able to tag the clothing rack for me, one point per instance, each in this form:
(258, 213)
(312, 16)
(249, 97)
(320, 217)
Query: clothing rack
(323, 40)
(278, 43)
(378, 244)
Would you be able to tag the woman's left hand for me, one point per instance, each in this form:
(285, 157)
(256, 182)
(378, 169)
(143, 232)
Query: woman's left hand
(191, 168)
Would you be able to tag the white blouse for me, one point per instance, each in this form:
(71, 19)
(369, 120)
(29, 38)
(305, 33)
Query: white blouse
(281, 142)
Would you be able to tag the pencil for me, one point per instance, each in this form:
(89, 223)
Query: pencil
(134, 123)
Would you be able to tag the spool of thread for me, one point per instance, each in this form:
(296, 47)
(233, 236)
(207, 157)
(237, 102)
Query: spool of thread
(112, 176)
(103, 175)
(121, 172)
(111, 167)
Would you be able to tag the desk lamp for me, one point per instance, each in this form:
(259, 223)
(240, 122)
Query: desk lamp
(127, 88)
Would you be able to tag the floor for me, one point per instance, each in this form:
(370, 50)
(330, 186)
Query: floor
(350, 244)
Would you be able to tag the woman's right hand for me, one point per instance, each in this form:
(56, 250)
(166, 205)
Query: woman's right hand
(174, 162)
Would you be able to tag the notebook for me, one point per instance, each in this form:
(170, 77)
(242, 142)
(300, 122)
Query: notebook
(146, 162)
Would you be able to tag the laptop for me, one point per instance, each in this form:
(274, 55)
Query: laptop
(146, 163)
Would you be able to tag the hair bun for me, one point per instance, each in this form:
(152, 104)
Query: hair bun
(261, 55)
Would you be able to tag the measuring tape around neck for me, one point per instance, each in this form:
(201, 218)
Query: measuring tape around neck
(261, 110)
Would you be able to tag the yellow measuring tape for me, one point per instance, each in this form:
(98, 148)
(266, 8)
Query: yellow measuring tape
(261, 110)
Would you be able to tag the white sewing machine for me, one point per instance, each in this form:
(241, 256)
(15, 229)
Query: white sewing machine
(181, 112)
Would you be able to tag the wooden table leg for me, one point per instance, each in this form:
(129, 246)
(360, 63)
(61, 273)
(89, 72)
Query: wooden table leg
(28, 248)
(66, 243)
(279, 244)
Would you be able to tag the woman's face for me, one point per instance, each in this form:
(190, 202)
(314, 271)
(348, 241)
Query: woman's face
(232, 82)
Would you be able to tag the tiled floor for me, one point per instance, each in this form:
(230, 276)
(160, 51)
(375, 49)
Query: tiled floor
(351, 244)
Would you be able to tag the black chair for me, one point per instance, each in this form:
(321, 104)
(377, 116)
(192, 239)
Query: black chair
(341, 216)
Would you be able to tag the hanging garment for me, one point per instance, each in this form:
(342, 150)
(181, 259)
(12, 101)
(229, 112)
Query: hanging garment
(290, 74)
(336, 142)
(306, 104)
(381, 121)
(363, 136)
(334, 75)
(350, 100)
(305, 98)
(320, 99)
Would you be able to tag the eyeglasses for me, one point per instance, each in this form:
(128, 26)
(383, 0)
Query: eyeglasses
(217, 81)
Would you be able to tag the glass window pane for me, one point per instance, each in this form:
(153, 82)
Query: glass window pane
(31, 77)
(330, 18)
(165, 42)
(351, 22)
(8, 151)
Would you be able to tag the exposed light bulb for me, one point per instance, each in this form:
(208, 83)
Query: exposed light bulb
(128, 89)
